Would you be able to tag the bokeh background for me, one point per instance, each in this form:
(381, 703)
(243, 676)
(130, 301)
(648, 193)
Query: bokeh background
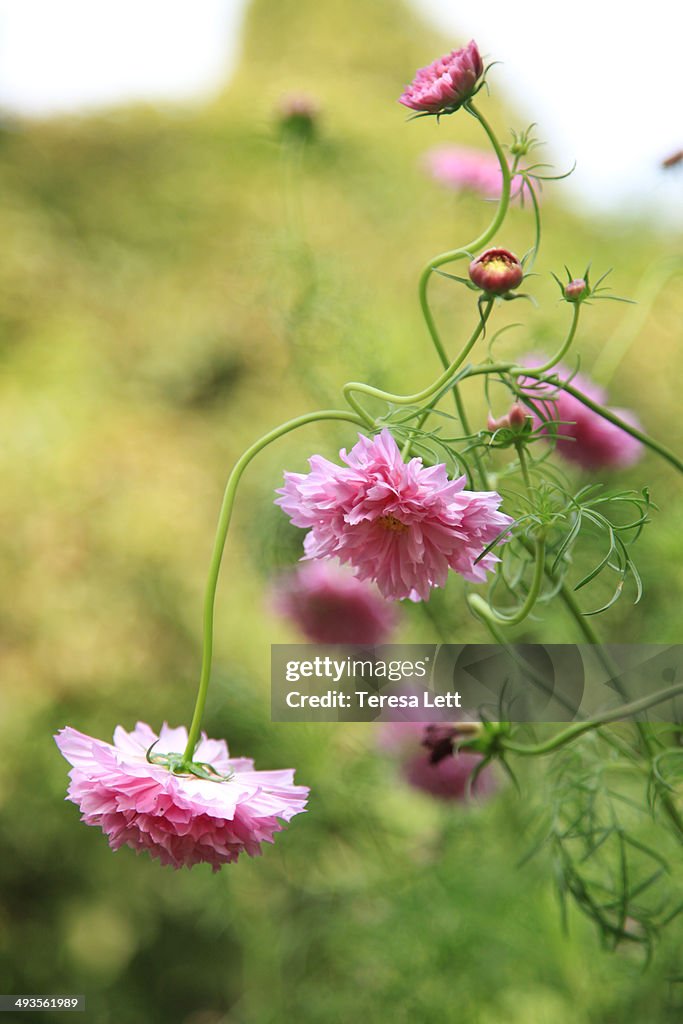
(176, 280)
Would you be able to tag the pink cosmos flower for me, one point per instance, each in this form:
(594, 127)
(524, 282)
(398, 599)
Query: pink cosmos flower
(467, 169)
(179, 819)
(399, 524)
(582, 436)
(446, 83)
(330, 606)
(430, 764)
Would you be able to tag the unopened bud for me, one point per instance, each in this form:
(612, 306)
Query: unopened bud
(517, 416)
(496, 271)
(576, 290)
(494, 424)
(513, 420)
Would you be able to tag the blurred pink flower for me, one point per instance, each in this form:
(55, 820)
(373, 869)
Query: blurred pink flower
(298, 114)
(298, 104)
(399, 524)
(445, 84)
(460, 167)
(179, 819)
(331, 606)
(467, 169)
(583, 436)
(429, 763)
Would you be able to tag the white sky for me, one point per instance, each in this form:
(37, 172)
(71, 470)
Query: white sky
(588, 71)
(601, 77)
(58, 55)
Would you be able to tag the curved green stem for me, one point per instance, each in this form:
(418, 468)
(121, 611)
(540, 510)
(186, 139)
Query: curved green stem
(483, 609)
(537, 221)
(573, 731)
(612, 417)
(459, 253)
(470, 247)
(219, 545)
(357, 387)
(565, 344)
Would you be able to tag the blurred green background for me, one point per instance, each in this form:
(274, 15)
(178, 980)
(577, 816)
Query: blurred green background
(174, 282)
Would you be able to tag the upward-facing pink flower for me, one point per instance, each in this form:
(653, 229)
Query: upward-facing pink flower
(582, 436)
(399, 524)
(179, 819)
(446, 83)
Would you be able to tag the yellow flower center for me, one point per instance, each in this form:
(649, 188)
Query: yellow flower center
(390, 522)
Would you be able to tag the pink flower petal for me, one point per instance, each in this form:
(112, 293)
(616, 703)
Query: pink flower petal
(181, 820)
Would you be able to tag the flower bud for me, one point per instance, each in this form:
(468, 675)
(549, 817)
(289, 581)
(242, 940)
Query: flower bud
(496, 271)
(494, 424)
(514, 420)
(517, 417)
(576, 290)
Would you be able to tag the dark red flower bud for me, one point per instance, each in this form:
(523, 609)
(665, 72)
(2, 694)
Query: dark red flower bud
(496, 271)
(576, 290)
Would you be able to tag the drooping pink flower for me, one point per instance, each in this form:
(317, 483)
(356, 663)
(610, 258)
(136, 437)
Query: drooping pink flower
(465, 169)
(581, 435)
(443, 773)
(399, 524)
(181, 820)
(445, 84)
(331, 606)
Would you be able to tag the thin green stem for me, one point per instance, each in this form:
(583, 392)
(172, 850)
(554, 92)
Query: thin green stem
(521, 455)
(607, 414)
(483, 609)
(537, 220)
(357, 387)
(573, 731)
(464, 419)
(530, 671)
(219, 546)
(565, 345)
(470, 247)
(459, 253)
